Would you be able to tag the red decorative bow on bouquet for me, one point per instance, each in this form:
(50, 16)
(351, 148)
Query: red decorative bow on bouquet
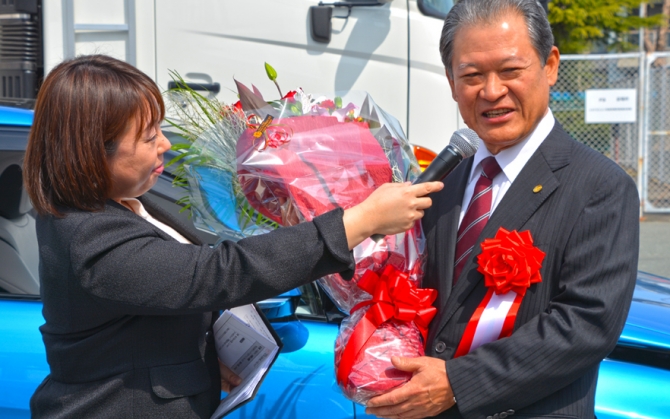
(397, 317)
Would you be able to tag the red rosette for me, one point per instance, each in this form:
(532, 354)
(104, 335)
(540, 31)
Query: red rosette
(510, 262)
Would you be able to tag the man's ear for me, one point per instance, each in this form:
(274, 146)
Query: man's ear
(551, 67)
(451, 85)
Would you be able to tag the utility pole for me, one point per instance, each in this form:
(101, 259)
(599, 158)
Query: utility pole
(642, 35)
(641, 115)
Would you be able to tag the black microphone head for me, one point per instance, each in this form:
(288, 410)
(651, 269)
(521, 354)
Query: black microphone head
(466, 141)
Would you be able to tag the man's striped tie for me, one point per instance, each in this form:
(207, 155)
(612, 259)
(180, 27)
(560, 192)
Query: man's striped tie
(476, 215)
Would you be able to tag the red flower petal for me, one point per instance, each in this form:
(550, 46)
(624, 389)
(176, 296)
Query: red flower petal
(327, 104)
(290, 94)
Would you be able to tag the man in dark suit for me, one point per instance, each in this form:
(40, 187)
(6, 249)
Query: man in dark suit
(540, 357)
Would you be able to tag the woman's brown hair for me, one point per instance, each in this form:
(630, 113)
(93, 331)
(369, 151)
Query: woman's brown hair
(83, 108)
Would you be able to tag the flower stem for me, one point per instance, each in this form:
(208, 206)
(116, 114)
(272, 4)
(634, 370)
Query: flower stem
(277, 84)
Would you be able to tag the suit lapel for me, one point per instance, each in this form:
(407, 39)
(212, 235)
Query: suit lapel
(441, 227)
(446, 229)
(517, 206)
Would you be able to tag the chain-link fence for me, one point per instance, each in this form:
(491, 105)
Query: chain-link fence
(579, 73)
(656, 147)
(641, 144)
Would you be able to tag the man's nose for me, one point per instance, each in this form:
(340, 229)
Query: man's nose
(493, 88)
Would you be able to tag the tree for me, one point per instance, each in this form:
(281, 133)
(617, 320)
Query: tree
(580, 26)
(657, 39)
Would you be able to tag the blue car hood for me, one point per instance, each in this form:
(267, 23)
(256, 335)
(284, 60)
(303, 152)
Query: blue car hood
(648, 323)
(15, 116)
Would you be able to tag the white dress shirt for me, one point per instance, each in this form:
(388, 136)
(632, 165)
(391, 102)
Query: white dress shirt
(137, 207)
(511, 161)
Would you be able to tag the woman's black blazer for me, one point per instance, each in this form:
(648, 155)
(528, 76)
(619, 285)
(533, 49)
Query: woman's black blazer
(127, 307)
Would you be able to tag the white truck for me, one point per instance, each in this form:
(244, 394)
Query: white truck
(387, 47)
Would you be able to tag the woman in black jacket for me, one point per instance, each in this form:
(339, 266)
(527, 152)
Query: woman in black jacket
(129, 291)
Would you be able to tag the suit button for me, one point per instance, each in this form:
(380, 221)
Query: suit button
(510, 412)
(503, 415)
(496, 416)
(440, 347)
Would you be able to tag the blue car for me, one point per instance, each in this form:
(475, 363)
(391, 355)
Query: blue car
(634, 379)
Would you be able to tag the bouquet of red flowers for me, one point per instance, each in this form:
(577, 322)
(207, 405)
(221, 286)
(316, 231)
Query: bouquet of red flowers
(262, 165)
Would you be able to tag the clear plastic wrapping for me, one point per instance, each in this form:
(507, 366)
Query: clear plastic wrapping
(372, 373)
(271, 164)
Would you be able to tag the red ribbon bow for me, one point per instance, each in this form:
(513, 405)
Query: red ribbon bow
(393, 296)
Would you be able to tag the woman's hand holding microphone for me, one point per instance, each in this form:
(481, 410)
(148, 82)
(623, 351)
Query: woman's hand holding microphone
(390, 209)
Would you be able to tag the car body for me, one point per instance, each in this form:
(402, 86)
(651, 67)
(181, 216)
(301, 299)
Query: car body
(634, 380)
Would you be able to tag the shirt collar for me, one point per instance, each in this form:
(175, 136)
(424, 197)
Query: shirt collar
(137, 207)
(513, 159)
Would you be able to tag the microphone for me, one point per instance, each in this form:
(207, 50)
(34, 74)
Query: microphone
(463, 144)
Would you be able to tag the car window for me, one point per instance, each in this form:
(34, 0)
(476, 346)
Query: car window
(19, 256)
(316, 305)
(311, 303)
(436, 8)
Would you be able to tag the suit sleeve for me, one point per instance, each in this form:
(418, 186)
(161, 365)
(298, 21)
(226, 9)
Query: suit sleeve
(594, 284)
(127, 266)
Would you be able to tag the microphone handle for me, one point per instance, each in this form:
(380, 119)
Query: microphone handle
(438, 169)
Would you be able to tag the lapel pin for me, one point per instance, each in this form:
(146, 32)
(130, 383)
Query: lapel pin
(537, 189)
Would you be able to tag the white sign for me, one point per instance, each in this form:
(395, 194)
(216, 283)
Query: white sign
(606, 106)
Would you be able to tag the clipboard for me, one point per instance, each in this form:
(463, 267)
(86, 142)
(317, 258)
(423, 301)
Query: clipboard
(247, 343)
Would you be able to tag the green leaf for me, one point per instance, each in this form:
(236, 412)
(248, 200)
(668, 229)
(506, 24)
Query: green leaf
(271, 72)
(338, 102)
(186, 207)
(174, 160)
(180, 146)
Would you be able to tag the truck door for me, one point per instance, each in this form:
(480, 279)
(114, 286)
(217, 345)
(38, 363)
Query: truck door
(433, 113)
(214, 41)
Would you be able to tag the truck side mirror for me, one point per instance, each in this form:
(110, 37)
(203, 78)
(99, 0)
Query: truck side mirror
(320, 18)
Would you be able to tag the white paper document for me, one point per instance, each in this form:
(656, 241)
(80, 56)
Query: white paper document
(246, 346)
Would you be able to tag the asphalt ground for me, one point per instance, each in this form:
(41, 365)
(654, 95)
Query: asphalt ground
(655, 244)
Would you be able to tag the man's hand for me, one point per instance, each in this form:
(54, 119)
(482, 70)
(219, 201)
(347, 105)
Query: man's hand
(426, 394)
(228, 378)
